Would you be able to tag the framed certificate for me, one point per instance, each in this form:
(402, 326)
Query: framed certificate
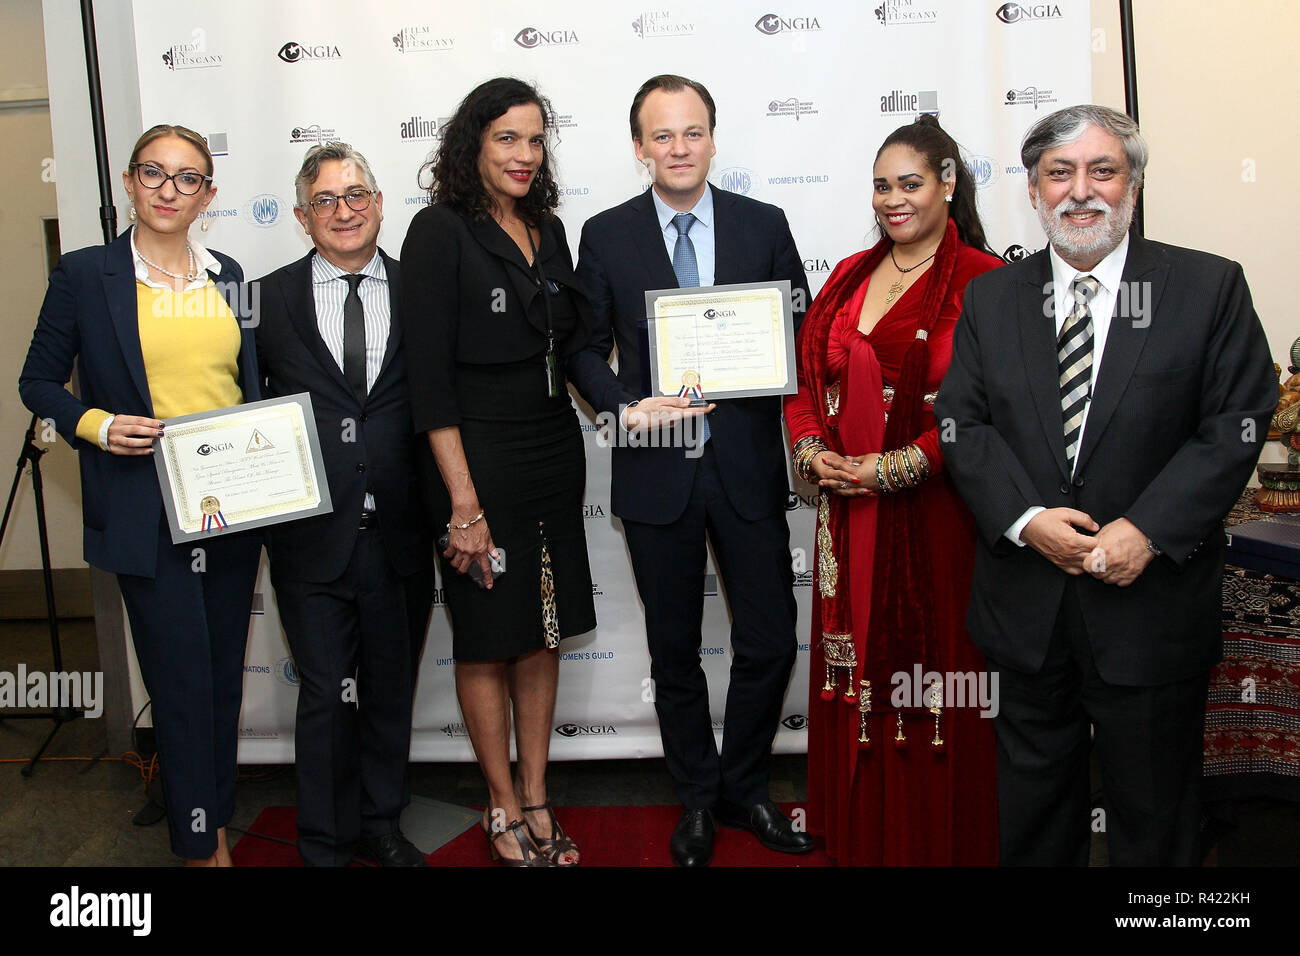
(722, 341)
(242, 467)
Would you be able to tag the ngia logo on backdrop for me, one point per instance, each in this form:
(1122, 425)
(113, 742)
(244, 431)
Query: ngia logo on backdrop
(1021, 12)
(531, 38)
(294, 52)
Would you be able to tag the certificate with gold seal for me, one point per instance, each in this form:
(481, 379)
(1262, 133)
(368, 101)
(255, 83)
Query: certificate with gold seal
(724, 341)
(240, 468)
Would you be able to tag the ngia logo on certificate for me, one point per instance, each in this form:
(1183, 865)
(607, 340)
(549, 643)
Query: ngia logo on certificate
(242, 467)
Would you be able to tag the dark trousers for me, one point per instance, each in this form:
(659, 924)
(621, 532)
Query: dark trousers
(356, 642)
(753, 558)
(1149, 742)
(189, 624)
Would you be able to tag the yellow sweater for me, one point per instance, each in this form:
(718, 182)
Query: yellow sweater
(190, 344)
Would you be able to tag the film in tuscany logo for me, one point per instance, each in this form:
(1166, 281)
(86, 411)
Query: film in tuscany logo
(531, 38)
(294, 52)
(661, 23)
(421, 40)
(1023, 12)
(900, 12)
(193, 54)
(771, 24)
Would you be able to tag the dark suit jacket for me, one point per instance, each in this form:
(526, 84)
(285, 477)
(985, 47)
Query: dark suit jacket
(621, 256)
(1179, 413)
(366, 447)
(90, 316)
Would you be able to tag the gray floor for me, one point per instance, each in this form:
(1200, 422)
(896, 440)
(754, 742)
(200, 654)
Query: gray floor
(74, 812)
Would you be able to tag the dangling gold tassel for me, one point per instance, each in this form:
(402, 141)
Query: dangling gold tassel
(936, 698)
(899, 740)
(864, 711)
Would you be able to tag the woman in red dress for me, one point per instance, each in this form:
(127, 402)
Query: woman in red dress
(900, 759)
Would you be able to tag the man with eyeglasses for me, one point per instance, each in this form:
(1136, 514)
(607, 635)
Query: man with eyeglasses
(353, 587)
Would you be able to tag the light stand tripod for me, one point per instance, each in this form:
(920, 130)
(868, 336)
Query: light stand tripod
(32, 453)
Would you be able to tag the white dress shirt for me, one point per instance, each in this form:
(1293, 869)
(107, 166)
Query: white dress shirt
(702, 234)
(1108, 273)
(330, 291)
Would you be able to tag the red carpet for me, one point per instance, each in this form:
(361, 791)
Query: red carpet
(607, 836)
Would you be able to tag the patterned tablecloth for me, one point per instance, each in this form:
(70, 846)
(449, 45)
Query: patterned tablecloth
(1252, 721)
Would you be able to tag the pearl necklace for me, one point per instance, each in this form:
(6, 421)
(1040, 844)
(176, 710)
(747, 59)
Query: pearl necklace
(189, 277)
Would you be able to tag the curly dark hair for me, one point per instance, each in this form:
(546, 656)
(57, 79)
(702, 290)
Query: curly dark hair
(941, 152)
(456, 181)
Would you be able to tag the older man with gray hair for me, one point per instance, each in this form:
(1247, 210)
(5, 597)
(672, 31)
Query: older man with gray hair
(353, 587)
(1107, 400)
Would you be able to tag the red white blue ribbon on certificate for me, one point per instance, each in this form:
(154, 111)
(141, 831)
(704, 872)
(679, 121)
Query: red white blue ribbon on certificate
(214, 522)
(690, 391)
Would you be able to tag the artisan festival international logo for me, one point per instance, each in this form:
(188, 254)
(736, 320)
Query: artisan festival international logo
(1029, 96)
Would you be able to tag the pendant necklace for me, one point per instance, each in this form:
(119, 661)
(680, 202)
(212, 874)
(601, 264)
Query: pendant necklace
(896, 287)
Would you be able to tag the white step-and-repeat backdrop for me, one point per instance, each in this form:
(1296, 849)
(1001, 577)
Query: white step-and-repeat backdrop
(806, 90)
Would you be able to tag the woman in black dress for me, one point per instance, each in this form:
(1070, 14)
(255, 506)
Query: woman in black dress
(490, 309)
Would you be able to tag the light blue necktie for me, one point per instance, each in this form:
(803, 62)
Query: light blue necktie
(688, 275)
(688, 272)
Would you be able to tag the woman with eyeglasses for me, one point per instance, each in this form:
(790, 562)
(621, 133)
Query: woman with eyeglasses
(150, 322)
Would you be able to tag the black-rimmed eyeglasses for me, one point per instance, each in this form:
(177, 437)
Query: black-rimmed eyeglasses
(358, 200)
(187, 181)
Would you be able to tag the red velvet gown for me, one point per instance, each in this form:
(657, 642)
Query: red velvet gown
(885, 805)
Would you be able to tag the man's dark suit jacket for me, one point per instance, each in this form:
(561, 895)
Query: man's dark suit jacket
(1179, 414)
(621, 256)
(366, 447)
(91, 316)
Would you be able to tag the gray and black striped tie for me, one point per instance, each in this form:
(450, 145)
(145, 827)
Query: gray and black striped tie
(1074, 362)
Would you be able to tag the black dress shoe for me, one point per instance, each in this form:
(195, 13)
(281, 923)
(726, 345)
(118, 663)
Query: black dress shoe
(767, 823)
(692, 842)
(391, 849)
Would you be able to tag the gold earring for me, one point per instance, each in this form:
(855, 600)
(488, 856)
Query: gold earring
(203, 226)
(131, 213)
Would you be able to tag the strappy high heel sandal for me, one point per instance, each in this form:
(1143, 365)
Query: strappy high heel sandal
(559, 842)
(532, 856)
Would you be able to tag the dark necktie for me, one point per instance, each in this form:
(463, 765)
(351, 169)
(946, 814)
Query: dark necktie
(1074, 362)
(354, 337)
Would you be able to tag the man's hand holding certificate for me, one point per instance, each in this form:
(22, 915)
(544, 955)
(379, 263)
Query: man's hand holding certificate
(730, 341)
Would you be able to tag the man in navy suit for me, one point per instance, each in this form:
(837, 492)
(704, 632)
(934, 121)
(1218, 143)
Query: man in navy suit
(353, 587)
(683, 232)
(1106, 402)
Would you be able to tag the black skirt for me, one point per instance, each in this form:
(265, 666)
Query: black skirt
(526, 459)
